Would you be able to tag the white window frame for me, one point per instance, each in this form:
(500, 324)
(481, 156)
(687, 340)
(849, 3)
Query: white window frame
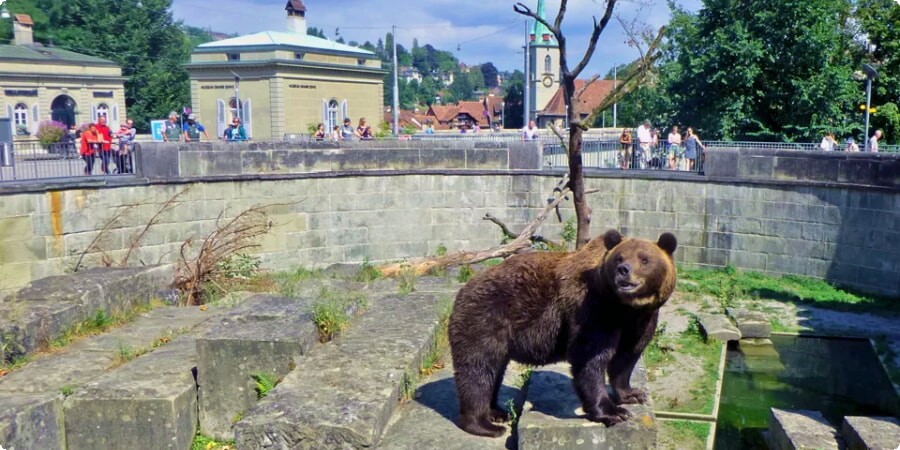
(548, 61)
(20, 116)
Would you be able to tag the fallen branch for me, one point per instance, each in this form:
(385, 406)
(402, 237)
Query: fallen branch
(422, 266)
(508, 234)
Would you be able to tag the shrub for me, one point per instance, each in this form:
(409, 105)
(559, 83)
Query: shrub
(50, 132)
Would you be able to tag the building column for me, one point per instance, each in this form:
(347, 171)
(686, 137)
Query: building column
(276, 102)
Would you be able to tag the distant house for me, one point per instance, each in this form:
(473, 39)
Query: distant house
(485, 113)
(590, 99)
(41, 83)
(408, 74)
(281, 82)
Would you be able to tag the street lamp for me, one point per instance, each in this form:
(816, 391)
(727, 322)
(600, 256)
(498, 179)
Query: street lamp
(4, 13)
(871, 74)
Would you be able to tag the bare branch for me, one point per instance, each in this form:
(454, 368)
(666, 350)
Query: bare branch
(526, 11)
(557, 24)
(592, 44)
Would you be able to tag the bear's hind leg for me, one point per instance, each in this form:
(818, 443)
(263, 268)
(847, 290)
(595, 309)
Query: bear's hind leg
(498, 412)
(474, 384)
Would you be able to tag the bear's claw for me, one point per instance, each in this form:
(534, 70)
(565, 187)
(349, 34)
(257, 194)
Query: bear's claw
(632, 396)
(618, 415)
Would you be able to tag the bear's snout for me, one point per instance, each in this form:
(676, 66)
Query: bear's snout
(624, 269)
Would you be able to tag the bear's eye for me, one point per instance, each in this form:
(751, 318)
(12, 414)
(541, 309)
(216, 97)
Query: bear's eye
(619, 259)
(644, 261)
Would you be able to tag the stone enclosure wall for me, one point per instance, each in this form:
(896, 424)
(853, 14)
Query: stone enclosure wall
(842, 233)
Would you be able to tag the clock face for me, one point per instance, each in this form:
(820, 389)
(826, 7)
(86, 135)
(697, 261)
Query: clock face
(548, 81)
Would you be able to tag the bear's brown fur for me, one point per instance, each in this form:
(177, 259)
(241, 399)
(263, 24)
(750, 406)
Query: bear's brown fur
(596, 308)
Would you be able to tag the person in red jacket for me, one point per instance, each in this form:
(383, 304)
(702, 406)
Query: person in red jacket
(91, 142)
(105, 147)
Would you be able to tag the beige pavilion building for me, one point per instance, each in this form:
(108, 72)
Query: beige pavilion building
(282, 82)
(39, 83)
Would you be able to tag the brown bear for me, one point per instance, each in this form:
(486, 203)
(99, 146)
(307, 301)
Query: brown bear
(596, 308)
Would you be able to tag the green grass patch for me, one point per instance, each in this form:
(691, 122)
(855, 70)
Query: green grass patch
(287, 282)
(683, 434)
(406, 281)
(492, 262)
(367, 272)
(67, 390)
(204, 443)
(333, 310)
(665, 349)
(729, 284)
(465, 273)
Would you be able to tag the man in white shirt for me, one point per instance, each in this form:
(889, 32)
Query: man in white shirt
(645, 138)
(530, 133)
(873, 142)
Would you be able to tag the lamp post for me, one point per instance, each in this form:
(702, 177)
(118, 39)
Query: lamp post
(503, 115)
(237, 98)
(871, 74)
(396, 102)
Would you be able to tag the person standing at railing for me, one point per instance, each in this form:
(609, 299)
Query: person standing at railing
(320, 132)
(126, 136)
(106, 145)
(171, 130)
(852, 146)
(873, 141)
(531, 132)
(693, 149)
(192, 130)
(625, 153)
(645, 139)
(235, 132)
(347, 131)
(828, 143)
(91, 141)
(335, 133)
(675, 150)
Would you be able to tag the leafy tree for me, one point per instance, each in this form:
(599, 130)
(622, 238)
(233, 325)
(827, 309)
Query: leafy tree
(512, 100)
(879, 20)
(408, 94)
(462, 87)
(38, 16)
(489, 74)
(477, 78)
(317, 32)
(427, 91)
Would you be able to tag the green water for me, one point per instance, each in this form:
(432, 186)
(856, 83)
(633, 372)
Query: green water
(839, 377)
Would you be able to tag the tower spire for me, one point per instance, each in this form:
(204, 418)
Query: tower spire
(541, 34)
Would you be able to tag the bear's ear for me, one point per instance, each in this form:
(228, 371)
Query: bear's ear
(611, 239)
(667, 242)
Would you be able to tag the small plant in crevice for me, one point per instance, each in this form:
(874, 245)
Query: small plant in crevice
(239, 266)
(569, 232)
(265, 382)
(67, 390)
(367, 272)
(441, 250)
(513, 414)
(524, 377)
(465, 273)
(406, 281)
(332, 311)
(202, 442)
(237, 418)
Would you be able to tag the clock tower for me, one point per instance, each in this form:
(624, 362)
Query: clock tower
(544, 64)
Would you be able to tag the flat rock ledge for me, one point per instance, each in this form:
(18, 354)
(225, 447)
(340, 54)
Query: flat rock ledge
(552, 417)
(864, 433)
(45, 308)
(343, 394)
(720, 327)
(752, 324)
(801, 429)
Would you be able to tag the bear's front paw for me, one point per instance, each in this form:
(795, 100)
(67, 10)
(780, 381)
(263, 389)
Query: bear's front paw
(616, 415)
(631, 396)
(498, 415)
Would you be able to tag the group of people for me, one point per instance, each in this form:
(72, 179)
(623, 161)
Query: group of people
(345, 132)
(677, 152)
(190, 130)
(96, 141)
(829, 143)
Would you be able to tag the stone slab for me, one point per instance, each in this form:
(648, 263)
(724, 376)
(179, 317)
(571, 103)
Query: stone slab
(429, 419)
(552, 416)
(229, 356)
(752, 324)
(31, 422)
(343, 395)
(149, 403)
(719, 326)
(801, 429)
(871, 433)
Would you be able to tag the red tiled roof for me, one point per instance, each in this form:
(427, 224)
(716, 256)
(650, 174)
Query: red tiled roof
(473, 109)
(296, 5)
(585, 103)
(24, 19)
(443, 113)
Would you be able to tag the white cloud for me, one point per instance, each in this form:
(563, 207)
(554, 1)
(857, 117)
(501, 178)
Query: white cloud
(482, 31)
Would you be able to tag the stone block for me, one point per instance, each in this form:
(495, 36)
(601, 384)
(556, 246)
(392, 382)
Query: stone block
(429, 420)
(343, 395)
(752, 324)
(32, 422)
(552, 417)
(801, 429)
(871, 433)
(149, 403)
(229, 355)
(525, 155)
(719, 326)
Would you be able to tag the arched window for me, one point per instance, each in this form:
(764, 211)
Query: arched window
(332, 114)
(547, 64)
(20, 118)
(102, 111)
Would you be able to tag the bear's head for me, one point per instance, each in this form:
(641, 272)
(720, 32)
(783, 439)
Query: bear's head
(639, 271)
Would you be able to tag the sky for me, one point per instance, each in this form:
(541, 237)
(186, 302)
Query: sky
(476, 31)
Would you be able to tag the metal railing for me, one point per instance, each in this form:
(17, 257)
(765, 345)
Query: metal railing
(610, 154)
(30, 160)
